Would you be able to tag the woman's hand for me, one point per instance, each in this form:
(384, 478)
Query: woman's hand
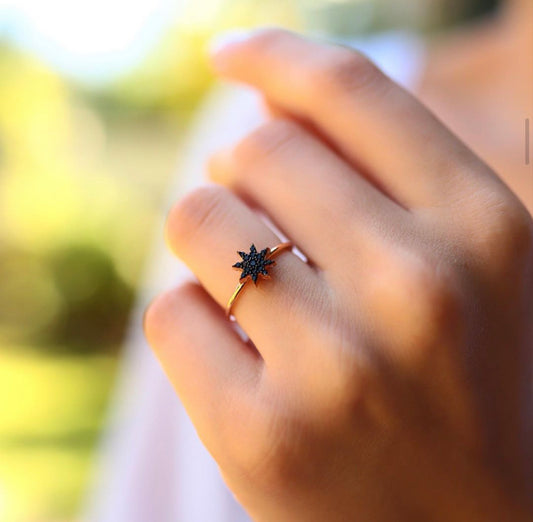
(388, 377)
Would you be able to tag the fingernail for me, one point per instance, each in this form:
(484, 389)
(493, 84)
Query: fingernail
(143, 323)
(218, 166)
(224, 40)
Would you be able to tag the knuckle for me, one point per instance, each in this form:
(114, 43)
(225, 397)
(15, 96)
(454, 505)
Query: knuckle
(344, 70)
(431, 289)
(265, 142)
(194, 213)
(507, 237)
(344, 389)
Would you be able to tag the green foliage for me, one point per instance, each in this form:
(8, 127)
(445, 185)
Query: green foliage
(52, 412)
(95, 301)
(72, 298)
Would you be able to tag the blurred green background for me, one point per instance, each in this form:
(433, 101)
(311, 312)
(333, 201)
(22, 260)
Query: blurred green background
(94, 100)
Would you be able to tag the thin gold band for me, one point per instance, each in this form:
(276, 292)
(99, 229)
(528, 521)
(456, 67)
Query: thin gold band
(272, 253)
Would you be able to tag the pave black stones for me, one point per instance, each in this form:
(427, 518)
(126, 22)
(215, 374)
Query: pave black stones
(254, 264)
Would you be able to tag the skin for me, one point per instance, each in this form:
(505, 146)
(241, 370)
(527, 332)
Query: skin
(479, 81)
(387, 378)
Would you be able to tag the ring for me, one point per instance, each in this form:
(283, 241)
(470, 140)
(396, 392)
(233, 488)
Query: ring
(253, 265)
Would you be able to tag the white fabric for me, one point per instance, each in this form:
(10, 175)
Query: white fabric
(152, 466)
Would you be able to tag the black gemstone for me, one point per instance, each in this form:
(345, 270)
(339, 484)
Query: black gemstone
(254, 263)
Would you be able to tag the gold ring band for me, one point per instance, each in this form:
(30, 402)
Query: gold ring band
(254, 265)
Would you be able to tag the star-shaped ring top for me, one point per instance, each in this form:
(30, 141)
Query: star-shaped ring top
(254, 264)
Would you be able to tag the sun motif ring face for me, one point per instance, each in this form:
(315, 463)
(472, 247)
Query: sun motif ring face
(254, 264)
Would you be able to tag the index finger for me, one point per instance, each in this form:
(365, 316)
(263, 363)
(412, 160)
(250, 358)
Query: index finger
(379, 127)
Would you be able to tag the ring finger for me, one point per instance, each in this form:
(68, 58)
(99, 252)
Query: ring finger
(206, 228)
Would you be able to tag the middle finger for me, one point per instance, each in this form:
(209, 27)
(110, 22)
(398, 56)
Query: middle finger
(308, 191)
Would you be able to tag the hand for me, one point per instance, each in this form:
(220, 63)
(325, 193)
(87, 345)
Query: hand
(388, 377)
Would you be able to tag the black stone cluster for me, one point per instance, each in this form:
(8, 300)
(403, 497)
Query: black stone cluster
(254, 263)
